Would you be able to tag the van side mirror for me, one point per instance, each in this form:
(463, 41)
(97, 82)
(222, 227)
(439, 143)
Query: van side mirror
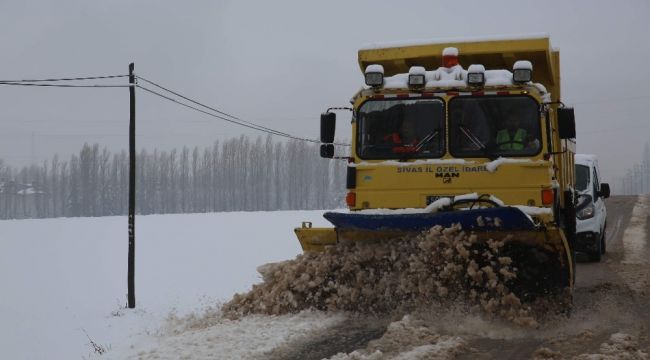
(566, 123)
(327, 127)
(327, 151)
(604, 190)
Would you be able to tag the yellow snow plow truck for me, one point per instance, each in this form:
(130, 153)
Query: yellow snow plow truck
(463, 132)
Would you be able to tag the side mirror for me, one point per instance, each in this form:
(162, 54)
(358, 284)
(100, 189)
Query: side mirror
(327, 151)
(604, 190)
(327, 127)
(566, 123)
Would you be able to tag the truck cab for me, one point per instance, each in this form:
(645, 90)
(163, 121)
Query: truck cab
(442, 120)
(591, 213)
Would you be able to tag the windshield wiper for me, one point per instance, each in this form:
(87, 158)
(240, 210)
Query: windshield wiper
(476, 141)
(417, 148)
(427, 139)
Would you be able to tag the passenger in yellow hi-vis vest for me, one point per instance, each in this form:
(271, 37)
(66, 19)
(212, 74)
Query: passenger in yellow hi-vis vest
(514, 137)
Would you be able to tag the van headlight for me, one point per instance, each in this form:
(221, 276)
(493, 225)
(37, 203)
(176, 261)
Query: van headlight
(587, 212)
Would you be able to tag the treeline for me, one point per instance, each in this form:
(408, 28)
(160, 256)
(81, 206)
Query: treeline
(239, 174)
(637, 179)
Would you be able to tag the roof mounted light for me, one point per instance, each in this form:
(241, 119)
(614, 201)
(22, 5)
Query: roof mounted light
(374, 75)
(476, 75)
(417, 76)
(522, 72)
(449, 57)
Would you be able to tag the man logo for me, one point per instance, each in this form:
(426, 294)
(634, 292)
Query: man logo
(446, 180)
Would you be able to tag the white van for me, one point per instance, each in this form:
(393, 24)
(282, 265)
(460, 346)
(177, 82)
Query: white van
(591, 213)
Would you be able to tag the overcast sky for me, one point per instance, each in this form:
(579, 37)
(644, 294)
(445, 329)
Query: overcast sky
(280, 63)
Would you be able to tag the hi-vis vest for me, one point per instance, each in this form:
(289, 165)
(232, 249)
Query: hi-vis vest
(506, 143)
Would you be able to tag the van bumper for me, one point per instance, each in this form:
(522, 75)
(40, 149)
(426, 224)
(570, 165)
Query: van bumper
(587, 241)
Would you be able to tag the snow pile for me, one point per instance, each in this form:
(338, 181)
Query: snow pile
(433, 207)
(408, 339)
(620, 346)
(493, 165)
(374, 68)
(213, 337)
(364, 164)
(534, 210)
(440, 265)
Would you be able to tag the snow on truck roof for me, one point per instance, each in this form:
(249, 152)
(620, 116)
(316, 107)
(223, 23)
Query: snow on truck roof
(452, 77)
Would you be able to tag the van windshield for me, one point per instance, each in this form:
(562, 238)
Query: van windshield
(582, 177)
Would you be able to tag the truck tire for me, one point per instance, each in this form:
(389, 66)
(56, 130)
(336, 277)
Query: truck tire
(570, 221)
(569, 226)
(603, 244)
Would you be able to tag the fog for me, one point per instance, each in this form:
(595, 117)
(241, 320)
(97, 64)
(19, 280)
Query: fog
(281, 63)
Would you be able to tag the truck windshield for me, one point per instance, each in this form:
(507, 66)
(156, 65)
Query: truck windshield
(582, 177)
(492, 126)
(397, 129)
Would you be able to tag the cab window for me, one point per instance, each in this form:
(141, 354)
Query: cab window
(582, 177)
(492, 126)
(396, 129)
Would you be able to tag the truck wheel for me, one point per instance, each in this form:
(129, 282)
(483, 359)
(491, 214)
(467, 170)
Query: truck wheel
(569, 225)
(603, 244)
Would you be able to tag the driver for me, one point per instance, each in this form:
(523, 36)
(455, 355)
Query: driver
(406, 134)
(513, 136)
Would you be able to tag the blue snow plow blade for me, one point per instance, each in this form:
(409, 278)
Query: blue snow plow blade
(510, 218)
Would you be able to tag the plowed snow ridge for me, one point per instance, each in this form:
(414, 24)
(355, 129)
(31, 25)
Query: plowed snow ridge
(440, 265)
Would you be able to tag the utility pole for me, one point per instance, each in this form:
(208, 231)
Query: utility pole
(131, 270)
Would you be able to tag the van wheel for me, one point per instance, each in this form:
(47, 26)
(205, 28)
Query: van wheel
(596, 255)
(603, 242)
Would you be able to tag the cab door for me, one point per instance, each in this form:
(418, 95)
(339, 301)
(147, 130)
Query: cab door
(599, 199)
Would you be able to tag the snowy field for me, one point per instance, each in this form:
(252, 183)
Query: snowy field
(64, 280)
(64, 295)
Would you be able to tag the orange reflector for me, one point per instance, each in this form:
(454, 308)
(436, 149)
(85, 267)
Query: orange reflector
(547, 196)
(351, 199)
(449, 60)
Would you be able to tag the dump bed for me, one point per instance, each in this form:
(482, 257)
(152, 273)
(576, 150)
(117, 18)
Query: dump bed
(493, 53)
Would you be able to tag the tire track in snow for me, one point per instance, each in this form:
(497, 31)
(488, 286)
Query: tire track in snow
(612, 235)
(347, 336)
(635, 237)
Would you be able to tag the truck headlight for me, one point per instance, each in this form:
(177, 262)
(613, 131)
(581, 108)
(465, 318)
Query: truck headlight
(374, 79)
(476, 75)
(416, 76)
(522, 72)
(374, 75)
(586, 213)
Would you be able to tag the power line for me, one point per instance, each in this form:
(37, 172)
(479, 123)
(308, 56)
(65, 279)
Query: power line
(233, 120)
(65, 79)
(226, 117)
(259, 127)
(198, 103)
(62, 85)
(214, 115)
